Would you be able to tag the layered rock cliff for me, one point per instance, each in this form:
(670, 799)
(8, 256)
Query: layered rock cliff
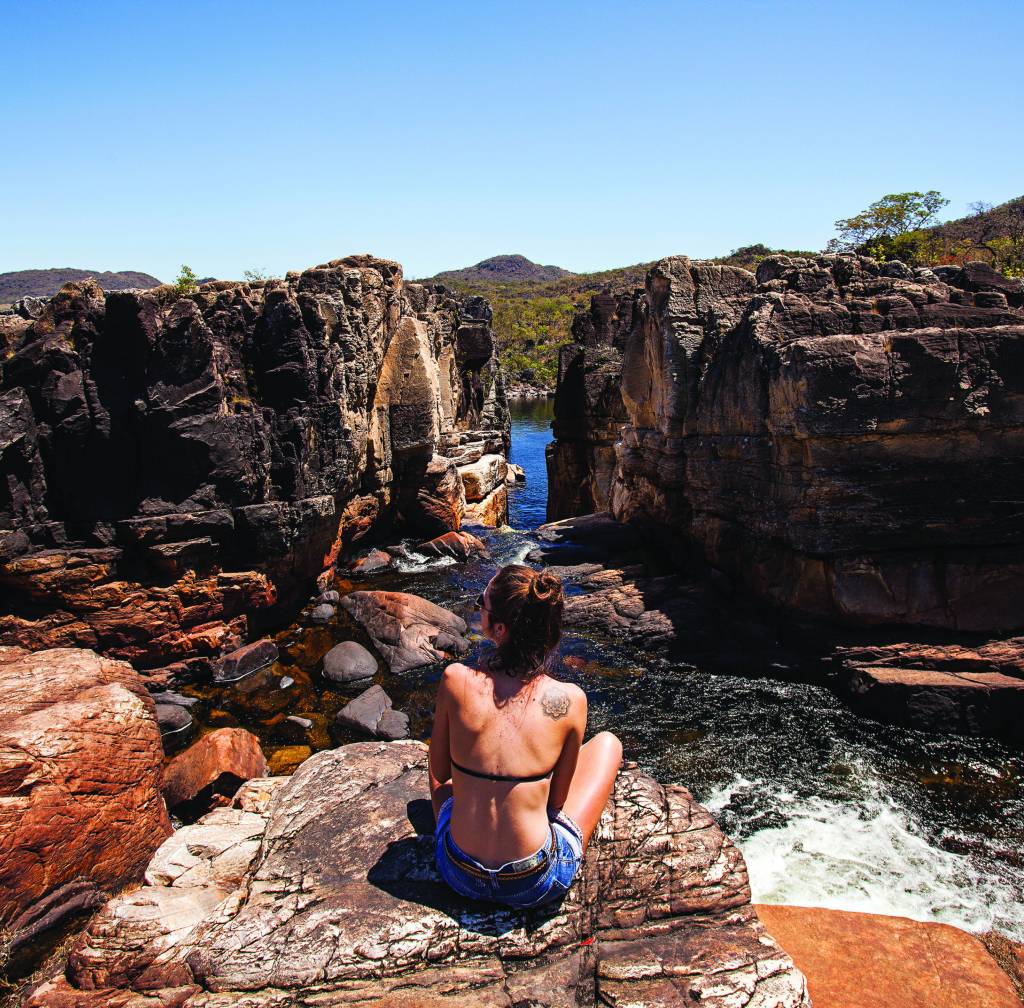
(174, 463)
(844, 437)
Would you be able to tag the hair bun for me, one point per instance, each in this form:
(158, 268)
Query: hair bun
(546, 587)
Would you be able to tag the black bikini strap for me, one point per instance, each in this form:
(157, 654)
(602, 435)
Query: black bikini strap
(502, 777)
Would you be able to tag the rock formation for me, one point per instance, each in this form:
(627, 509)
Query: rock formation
(321, 889)
(845, 437)
(173, 464)
(589, 411)
(80, 804)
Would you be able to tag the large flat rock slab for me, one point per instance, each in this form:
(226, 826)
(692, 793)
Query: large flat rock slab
(336, 901)
(857, 960)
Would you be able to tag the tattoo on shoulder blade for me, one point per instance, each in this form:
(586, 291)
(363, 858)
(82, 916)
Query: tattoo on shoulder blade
(555, 703)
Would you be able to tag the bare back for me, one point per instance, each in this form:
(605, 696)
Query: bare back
(495, 724)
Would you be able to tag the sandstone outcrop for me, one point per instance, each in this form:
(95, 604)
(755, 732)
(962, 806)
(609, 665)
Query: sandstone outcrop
(406, 630)
(844, 437)
(860, 960)
(173, 464)
(322, 890)
(80, 804)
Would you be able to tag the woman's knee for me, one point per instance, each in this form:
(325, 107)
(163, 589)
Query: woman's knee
(610, 746)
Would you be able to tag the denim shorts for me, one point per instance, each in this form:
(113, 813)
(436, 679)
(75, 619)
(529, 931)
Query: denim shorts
(539, 878)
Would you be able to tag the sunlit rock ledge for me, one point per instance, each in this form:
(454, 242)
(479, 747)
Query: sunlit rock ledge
(321, 889)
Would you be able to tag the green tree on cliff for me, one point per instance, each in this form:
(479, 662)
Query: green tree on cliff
(892, 227)
(185, 283)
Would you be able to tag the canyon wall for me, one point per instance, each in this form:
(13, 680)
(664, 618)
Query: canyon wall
(844, 437)
(172, 464)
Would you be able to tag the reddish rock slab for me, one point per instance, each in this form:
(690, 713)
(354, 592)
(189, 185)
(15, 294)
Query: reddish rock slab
(80, 804)
(231, 751)
(973, 703)
(408, 631)
(247, 659)
(857, 960)
(492, 511)
(460, 545)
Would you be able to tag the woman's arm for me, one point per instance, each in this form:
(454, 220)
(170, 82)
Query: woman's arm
(575, 700)
(440, 761)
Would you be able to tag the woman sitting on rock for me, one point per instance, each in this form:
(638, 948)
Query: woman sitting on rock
(516, 793)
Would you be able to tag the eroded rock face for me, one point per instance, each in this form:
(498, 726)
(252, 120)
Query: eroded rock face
(339, 903)
(172, 464)
(844, 437)
(80, 804)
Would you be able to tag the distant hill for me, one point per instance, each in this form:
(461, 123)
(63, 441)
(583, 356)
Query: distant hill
(1003, 221)
(46, 282)
(502, 269)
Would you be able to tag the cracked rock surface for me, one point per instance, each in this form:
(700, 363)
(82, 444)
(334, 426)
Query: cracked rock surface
(320, 889)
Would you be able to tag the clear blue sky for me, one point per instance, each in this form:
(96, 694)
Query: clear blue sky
(584, 134)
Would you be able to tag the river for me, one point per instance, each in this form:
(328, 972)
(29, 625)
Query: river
(829, 808)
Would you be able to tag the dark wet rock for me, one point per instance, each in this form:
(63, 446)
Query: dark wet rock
(408, 631)
(322, 613)
(225, 752)
(839, 436)
(460, 545)
(372, 713)
(247, 659)
(661, 914)
(172, 718)
(80, 805)
(349, 662)
(234, 441)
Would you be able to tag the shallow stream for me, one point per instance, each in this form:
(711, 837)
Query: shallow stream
(829, 808)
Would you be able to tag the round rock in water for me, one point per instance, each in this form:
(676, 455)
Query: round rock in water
(323, 613)
(349, 662)
(331, 597)
(172, 718)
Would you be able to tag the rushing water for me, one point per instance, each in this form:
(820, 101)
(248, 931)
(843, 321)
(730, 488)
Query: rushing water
(830, 809)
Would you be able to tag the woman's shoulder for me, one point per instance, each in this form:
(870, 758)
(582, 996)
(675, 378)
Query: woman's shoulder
(457, 671)
(560, 699)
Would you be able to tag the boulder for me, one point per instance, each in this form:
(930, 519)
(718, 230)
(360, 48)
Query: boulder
(492, 511)
(340, 904)
(483, 476)
(859, 960)
(349, 662)
(376, 559)
(460, 545)
(322, 613)
(408, 631)
(80, 804)
(515, 474)
(372, 713)
(231, 753)
(331, 597)
(172, 718)
(434, 501)
(247, 659)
